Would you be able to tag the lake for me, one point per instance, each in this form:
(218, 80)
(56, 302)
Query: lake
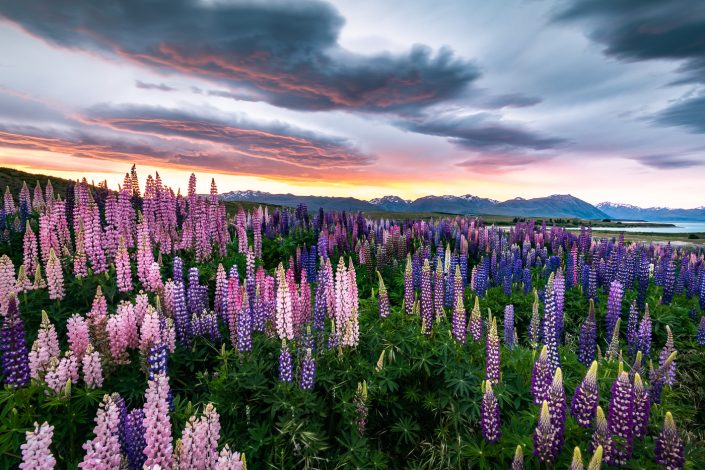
(680, 227)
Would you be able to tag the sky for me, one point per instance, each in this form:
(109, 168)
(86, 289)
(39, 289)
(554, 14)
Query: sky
(601, 99)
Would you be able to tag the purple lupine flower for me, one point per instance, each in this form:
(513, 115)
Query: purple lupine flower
(585, 400)
(426, 299)
(408, 287)
(383, 298)
(459, 320)
(518, 461)
(633, 330)
(614, 305)
(668, 348)
(13, 347)
(668, 282)
(669, 448)
(642, 407)
(544, 437)
(244, 326)
(475, 323)
(550, 326)
(178, 271)
(592, 284)
(438, 290)
(535, 324)
(133, 429)
(182, 320)
(557, 408)
(601, 434)
(541, 377)
(645, 333)
(489, 415)
(526, 280)
(621, 421)
(509, 326)
(492, 354)
(286, 373)
(588, 337)
(658, 377)
(308, 371)
(700, 335)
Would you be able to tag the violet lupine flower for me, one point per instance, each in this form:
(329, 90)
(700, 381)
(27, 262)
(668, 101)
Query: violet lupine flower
(601, 434)
(633, 330)
(700, 335)
(509, 325)
(658, 377)
(244, 326)
(36, 454)
(668, 349)
(182, 321)
(669, 446)
(541, 377)
(585, 400)
(557, 407)
(308, 371)
(13, 347)
(621, 421)
(544, 437)
(55, 277)
(550, 325)
(645, 333)
(459, 320)
(492, 354)
(535, 324)
(383, 297)
(286, 373)
(475, 323)
(518, 461)
(438, 290)
(134, 432)
(588, 337)
(157, 424)
(426, 299)
(642, 407)
(103, 451)
(526, 280)
(92, 368)
(614, 305)
(669, 281)
(489, 415)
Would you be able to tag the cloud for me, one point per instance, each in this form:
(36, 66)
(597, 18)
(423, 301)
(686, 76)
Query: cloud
(153, 86)
(509, 100)
(286, 52)
(669, 162)
(266, 140)
(480, 131)
(688, 113)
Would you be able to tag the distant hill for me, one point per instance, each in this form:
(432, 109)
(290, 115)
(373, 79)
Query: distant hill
(14, 178)
(652, 214)
(565, 206)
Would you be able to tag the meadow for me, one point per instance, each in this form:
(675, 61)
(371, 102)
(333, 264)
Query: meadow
(143, 328)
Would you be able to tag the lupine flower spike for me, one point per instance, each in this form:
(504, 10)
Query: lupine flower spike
(669, 446)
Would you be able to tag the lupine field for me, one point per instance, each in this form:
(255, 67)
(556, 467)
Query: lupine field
(143, 328)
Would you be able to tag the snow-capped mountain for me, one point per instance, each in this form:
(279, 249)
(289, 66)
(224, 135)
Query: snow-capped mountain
(653, 214)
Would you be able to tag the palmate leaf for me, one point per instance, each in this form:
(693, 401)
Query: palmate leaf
(407, 430)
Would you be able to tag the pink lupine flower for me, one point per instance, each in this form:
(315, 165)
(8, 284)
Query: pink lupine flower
(141, 307)
(103, 451)
(98, 318)
(29, 249)
(80, 268)
(228, 460)
(45, 347)
(157, 423)
(154, 278)
(61, 372)
(55, 277)
(117, 339)
(122, 268)
(284, 324)
(78, 336)
(23, 283)
(39, 282)
(7, 282)
(92, 368)
(199, 442)
(150, 333)
(36, 454)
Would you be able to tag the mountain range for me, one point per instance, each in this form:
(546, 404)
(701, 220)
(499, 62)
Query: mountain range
(558, 205)
(653, 214)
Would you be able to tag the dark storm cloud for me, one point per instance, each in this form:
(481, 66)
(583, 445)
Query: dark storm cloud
(670, 162)
(642, 30)
(286, 52)
(153, 86)
(480, 132)
(689, 114)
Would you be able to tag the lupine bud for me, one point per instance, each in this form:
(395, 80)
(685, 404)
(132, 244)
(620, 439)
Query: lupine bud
(669, 446)
(601, 434)
(489, 412)
(613, 350)
(518, 462)
(577, 462)
(383, 298)
(585, 399)
(535, 325)
(475, 323)
(596, 460)
(668, 348)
